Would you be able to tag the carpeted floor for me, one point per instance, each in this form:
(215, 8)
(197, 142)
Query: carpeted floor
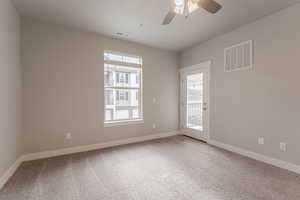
(177, 168)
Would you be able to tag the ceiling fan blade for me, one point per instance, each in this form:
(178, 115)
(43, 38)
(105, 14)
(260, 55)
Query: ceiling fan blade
(169, 17)
(209, 5)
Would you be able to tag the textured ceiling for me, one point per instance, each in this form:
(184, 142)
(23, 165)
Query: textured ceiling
(140, 20)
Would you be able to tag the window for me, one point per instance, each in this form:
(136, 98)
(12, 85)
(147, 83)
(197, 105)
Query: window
(136, 79)
(122, 95)
(122, 78)
(109, 97)
(123, 89)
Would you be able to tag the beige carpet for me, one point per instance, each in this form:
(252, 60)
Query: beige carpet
(174, 168)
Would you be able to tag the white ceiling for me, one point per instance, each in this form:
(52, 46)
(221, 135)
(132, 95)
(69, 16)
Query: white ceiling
(111, 16)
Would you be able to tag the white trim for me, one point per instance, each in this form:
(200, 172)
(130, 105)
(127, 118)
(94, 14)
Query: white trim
(205, 65)
(256, 156)
(122, 88)
(122, 123)
(122, 64)
(10, 172)
(47, 154)
(140, 91)
(208, 100)
(196, 67)
(71, 150)
(123, 54)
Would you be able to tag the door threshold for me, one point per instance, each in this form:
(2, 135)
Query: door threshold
(203, 141)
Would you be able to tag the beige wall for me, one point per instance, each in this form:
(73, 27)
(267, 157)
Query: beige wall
(10, 86)
(263, 102)
(63, 87)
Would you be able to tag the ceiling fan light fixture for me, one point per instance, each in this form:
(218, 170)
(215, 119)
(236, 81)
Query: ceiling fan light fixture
(186, 7)
(192, 5)
(179, 10)
(179, 2)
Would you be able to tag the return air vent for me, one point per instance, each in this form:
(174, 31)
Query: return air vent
(238, 57)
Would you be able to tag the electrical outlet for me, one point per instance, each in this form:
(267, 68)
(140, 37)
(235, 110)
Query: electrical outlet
(68, 136)
(261, 140)
(153, 126)
(154, 100)
(282, 146)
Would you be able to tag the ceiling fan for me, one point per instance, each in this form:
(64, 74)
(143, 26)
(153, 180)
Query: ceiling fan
(186, 7)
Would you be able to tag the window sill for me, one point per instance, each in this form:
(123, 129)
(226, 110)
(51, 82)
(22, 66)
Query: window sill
(123, 123)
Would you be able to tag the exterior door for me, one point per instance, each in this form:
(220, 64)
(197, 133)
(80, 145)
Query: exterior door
(195, 101)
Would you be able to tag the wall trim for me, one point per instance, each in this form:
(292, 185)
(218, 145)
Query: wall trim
(10, 172)
(47, 154)
(205, 67)
(256, 156)
(200, 65)
(77, 149)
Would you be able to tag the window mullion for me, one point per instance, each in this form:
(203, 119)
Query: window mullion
(126, 84)
(122, 64)
(122, 88)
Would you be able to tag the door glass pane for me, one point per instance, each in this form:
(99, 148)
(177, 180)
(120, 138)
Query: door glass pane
(194, 101)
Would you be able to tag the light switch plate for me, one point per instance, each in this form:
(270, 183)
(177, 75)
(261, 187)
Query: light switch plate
(153, 126)
(154, 100)
(68, 136)
(282, 146)
(261, 140)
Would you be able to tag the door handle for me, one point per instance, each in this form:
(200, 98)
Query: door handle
(204, 106)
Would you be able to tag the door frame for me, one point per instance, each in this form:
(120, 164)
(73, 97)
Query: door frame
(206, 65)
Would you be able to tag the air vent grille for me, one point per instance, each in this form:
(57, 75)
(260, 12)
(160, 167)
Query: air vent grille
(238, 57)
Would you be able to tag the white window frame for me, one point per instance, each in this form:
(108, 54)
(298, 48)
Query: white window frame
(140, 90)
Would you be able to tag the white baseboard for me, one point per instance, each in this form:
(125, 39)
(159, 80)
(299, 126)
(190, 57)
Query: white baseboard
(10, 172)
(256, 156)
(47, 154)
(65, 151)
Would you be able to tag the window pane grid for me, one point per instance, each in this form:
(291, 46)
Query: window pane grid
(194, 101)
(108, 56)
(123, 97)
